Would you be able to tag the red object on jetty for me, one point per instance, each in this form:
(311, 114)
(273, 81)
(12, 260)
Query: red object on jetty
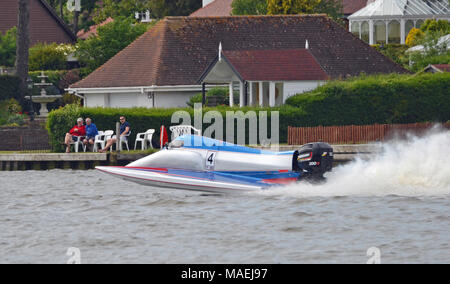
(164, 137)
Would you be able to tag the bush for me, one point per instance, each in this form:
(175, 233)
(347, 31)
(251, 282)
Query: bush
(11, 113)
(9, 87)
(47, 57)
(8, 47)
(431, 25)
(414, 37)
(378, 99)
(395, 52)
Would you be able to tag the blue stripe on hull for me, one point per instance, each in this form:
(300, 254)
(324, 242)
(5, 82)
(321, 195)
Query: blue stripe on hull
(248, 178)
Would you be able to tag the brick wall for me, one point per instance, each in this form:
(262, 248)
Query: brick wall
(31, 137)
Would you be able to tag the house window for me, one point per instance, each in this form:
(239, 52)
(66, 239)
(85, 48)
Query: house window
(355, 29)
(419, 23)
(365, 31)
(379, 30)
(394, 32)
(408, 27)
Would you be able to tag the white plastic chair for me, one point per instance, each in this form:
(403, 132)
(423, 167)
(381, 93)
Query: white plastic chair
(144, 138)
(179, 130)
(121, 142)
(78, 143)
(125, 141)
(101, 138)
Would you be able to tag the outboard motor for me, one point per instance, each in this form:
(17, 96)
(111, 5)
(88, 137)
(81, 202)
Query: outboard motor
(312, 160)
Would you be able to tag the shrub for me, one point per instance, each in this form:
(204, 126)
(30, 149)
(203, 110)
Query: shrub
(9, 87)
(378, 99)
(414, 37)
(395, 52)
(11, 113)
(8, 47)
(431, 25)
(47, 57)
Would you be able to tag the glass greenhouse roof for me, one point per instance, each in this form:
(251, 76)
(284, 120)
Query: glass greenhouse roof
(403, 8)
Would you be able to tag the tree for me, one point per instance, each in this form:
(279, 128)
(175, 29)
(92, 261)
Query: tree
(249, 7)
(8, 47)
(330, 7)
(163, 8)
(23, 44)
(158, 8)
(111, 39)
(119, 8)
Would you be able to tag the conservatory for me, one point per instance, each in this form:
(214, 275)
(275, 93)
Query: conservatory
(389, 21)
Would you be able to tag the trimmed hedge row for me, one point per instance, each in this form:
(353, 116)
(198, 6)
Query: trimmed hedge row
(9, 87)
(60, 121)
(378, 99)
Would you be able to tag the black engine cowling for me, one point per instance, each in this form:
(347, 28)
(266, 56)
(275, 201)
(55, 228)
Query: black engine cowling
(312, 160)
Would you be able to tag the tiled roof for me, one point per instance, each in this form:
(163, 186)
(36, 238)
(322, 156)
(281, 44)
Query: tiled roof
(442, 67)
(275, 65)
(223, 8)
(215, 8)
(45, 24)
(177, 50)
(351, 6)
(93, 29)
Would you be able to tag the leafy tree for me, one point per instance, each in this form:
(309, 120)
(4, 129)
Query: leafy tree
(111, 39)
(8, 47)
(249, 7)
(431, 25)
(330, 7)
(47, 57)
(158, 8)
(163, 8)
(119, 8)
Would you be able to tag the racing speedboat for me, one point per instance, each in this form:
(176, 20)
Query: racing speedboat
(203, 164)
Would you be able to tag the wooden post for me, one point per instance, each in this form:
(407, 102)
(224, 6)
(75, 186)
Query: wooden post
(203, 94)
(118, 144)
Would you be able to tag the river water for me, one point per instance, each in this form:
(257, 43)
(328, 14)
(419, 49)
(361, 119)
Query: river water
(397, 204)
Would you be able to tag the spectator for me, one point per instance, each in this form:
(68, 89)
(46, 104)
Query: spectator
(91, 132)
(77, 132)
(125, 129)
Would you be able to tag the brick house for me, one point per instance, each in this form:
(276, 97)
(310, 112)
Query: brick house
(274, 56)
(45, 25)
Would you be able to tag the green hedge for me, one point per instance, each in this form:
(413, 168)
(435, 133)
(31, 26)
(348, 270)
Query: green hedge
(377, 99)
(9, 87)
(141, 119)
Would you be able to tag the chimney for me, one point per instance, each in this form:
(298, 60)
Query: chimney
(206, 2)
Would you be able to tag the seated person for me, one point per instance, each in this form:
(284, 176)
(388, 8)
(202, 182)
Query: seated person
(125, 129)
(77, 132)
(91, 132)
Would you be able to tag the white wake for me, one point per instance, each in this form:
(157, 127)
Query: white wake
(413, 167)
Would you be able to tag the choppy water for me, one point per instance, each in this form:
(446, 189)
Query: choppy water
(398, 202)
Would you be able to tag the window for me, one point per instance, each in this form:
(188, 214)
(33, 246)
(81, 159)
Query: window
(394, 32)
(379, 30)
(408, 27)
(365, 31)
(355, 29)
(419, 23)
